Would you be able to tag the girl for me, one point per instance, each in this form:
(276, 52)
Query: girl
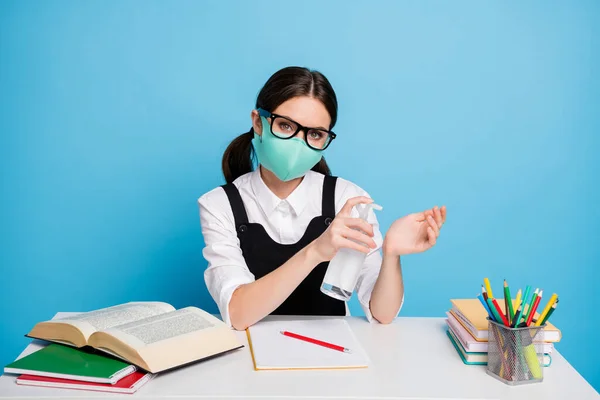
(270, 232)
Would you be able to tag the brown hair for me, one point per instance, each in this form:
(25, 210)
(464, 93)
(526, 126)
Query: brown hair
(283, 85)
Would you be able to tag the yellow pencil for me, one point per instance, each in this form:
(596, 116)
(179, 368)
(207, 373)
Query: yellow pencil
(518, 299)
(486, 282)
(538, 322)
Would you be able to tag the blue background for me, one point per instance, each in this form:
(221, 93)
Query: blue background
(114, 117)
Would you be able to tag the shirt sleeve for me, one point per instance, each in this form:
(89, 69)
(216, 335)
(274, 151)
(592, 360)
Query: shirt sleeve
(227, 269)
(372, 264)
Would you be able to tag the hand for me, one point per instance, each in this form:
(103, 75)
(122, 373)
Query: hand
(345, 232)
(414, 233)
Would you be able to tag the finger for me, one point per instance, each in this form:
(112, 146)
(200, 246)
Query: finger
(443, 211)
(358, 223)
(422, 216)
(351, 202)
(431, 236)
(433, 225)
(349, 244)
(359, 237)
(438, 216)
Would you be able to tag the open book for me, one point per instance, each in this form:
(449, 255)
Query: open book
(151, 335)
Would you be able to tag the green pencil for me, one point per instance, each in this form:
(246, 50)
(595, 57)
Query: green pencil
(510, 312)
(494, 311)
(520, 309)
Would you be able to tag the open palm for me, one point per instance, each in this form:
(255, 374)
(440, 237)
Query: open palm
(414, 233)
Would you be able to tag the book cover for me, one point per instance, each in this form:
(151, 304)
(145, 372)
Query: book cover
(59, 361)
(130, 384)
(480, 358)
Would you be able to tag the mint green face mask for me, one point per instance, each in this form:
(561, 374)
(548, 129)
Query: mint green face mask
(287, 158)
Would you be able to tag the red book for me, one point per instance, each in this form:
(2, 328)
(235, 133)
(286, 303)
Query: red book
(129, 384)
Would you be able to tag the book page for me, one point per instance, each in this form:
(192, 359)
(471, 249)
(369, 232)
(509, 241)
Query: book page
(162, 327)
(168, 340)
(90, 322)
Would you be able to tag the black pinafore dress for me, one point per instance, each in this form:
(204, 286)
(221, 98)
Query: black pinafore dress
(263, 255)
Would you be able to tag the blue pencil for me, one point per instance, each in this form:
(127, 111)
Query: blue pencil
(480, 297)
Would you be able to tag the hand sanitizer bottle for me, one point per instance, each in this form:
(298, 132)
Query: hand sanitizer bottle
(344, 268)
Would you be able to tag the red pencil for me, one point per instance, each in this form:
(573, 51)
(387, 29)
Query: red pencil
(500, 312)
(315, 341)
(534, 307)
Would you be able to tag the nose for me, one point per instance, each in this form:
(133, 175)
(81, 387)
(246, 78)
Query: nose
(302, 133)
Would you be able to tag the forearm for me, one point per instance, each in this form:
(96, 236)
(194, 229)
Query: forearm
(387, 294)
(253, 301)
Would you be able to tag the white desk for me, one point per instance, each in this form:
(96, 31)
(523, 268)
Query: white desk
(410, 359)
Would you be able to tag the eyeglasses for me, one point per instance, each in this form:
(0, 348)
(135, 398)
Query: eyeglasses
(285, 128)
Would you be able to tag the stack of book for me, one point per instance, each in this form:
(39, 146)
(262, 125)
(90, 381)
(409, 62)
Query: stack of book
(120, 348)
(62, 366)
(468, 332)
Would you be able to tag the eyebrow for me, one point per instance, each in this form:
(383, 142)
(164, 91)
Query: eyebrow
(310, 127)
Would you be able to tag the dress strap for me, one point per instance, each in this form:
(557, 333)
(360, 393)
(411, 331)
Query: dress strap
(237, 205)
(328, 205)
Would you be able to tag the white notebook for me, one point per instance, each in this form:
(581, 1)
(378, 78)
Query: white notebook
(272, 350)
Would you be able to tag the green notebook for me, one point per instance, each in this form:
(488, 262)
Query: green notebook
(59, 361)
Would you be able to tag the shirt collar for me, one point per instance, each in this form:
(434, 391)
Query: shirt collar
(268, 201)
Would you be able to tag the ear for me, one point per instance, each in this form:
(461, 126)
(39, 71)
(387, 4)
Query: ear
(256, 122)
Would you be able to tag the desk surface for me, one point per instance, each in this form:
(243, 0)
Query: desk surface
(410, 359)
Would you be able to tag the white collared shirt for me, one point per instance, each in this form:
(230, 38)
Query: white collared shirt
(284, 220)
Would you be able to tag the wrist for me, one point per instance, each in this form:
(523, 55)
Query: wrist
(390, 256)
(312, 255)
(388, 250)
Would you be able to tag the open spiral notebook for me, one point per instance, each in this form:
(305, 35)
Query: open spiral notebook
(272, 350)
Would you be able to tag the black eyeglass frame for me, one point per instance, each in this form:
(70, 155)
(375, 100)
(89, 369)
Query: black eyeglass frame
(267, 114)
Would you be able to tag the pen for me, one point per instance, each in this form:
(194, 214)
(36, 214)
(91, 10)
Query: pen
(317, 342)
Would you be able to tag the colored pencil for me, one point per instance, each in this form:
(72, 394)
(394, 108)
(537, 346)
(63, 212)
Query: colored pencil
(502, 317)
(549, 313)
(484, 293)
(551, 302)
(517, 317)
(520, 314)
(487, 309)
(508, 305)
(494, 311)
(315, 341)
(486, 282)
(530, 305)
(534, 307)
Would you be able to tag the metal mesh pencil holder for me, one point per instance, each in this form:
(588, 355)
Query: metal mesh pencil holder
(515, 355)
